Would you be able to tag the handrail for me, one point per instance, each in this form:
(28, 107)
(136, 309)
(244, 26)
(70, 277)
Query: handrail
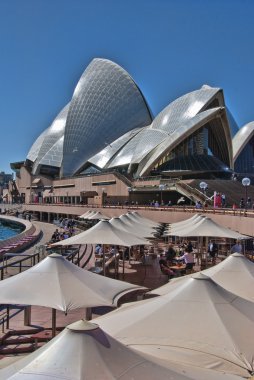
(19, 263)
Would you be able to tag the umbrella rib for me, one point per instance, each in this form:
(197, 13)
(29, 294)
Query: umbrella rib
(189, 349)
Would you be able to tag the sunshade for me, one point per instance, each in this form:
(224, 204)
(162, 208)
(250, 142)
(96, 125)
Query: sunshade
(208, 228)
(97, 215)
(235, 274)
(132, 227)
(87, 214)
(126, 219)
(59, 284)
(84, 351)
(197, 322)
(104, 233)
(135, 215)
(174, 228)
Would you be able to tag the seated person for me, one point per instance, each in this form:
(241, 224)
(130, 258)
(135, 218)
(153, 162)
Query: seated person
(165, 268)
(237, 247)
(170, 254)
(188, 259)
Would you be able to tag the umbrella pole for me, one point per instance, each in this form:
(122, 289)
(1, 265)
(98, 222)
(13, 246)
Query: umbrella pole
(88, 313)
(103, 261)
(115, 261)
(53, 323)
(124, 262)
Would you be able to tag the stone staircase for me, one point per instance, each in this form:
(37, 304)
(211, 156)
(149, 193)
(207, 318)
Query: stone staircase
(23, 341)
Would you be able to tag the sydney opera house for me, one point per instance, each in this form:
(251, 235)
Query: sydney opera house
(105, 144)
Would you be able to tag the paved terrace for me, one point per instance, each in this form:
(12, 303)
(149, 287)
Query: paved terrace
(147, 274)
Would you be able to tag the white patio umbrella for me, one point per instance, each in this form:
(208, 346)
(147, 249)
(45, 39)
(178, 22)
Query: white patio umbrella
(209, 228)
(235, 274)
(98, 215)
(133, 227)
(59, 284)
(104, 233)
(134, 215)
(85, 352)
(87, 214)
(174, 228)
(197, 322)
(151, 231)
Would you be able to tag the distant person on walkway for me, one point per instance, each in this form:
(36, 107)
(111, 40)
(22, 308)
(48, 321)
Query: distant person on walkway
(248, 202)
(237, 247)
(242, 205)
(223, 200)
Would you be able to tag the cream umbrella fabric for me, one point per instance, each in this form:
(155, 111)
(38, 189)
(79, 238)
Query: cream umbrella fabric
(87, 214)
(97, 215)
(183, 224)
(84, 352)
(196, 322)
(104, 233)
(151, 231)
(235, 274)
(59, 284)
(209, 228)
(134, 215)
(132, 227)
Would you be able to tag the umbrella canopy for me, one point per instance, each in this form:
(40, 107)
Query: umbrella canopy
(138, 223)
(134, 215)
(87, 214)
(196, 322)
(132, 227)
(59, 284)
(235, 274)
(84, 351)
(209, 228)
(104, 233)
(174, 228)
(97, 215)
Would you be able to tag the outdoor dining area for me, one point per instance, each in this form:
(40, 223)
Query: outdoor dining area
(199, 325)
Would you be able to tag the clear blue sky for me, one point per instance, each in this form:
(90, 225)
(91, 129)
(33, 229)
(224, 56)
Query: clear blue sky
(169, 47)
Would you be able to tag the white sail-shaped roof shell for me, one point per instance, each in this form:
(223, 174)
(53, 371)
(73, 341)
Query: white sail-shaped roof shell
(106, 104)
(242, 138)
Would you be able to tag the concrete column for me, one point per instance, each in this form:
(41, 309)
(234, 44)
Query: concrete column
(49, 217)
(27, 316)
(40, 216)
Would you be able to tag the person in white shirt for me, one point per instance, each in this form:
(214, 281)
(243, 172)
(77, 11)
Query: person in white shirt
(188, 259)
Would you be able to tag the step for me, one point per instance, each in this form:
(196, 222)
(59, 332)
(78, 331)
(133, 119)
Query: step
(19, 349)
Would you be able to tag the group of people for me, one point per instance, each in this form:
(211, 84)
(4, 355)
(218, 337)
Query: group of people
(61, 235)
(186, 257)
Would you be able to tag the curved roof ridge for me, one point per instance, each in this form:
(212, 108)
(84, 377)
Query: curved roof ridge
(241, 138)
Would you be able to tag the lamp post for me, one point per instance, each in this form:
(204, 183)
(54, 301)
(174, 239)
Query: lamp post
(246, 183)
(161, 187)
(129, 191)
(203, 186)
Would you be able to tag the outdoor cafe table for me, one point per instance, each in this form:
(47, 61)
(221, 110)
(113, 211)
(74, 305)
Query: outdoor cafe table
(178, 268)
